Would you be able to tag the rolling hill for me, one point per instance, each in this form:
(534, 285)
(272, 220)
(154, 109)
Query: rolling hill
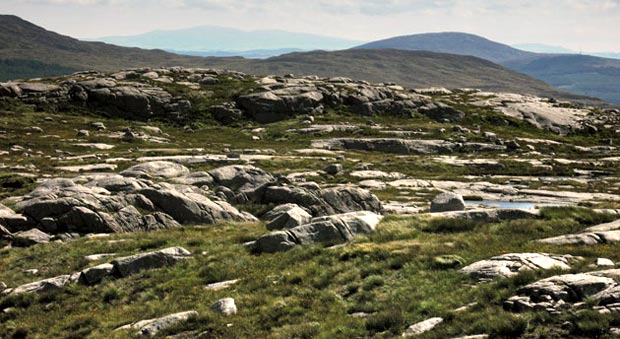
(31, 51)
(580, 74)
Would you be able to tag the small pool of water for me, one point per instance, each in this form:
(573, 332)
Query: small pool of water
(510, 204)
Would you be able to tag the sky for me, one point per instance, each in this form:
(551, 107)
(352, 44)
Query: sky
(581, 25)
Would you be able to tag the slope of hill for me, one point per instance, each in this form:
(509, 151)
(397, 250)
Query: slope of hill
(453, 43)
(42, 53)
(213, 39)
(408, 68)
(580, 74)
(574, 73)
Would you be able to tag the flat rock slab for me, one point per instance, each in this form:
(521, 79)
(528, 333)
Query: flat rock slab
(156, 169)
(127, 266)
(151, 327)
(491, 215)
(590, 238)
(568, 291)
(508, 265)
(41, 286)
(422, 327)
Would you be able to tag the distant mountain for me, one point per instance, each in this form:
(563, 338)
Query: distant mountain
(214, 39)
(253, 54)
(580, 74)
(542, 48)
(453, 43)
(30, 51)
(27, 50)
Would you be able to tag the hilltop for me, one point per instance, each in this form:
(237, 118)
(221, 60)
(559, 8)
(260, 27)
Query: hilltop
(579, 74)
(32, 51)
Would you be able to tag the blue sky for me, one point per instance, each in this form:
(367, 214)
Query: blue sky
(588, 25)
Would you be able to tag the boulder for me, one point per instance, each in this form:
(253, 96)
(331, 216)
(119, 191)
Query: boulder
(388, 145)
(127, 266)
(225, 306)
(30, 237)
(591, 238)
(227, 113)
(563, 292)
(42, 286)
(287, 218)
(334, 229)
(422, 327)
(156, 169)
(13, 221)
(151, 327)
(333, 169)
(241, 177)
(276, 105)
(447, 202)
(94, 275)
(508, 265)
(441, 112)
(5, 234)
(193, 207)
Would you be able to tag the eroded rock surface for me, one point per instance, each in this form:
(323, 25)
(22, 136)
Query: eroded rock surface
(508, 265)
(332, 229)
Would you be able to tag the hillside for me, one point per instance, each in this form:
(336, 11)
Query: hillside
(160, 204)
(38, 52)
(580, 74)
(43, 53)
(453, 43)
(584, 74)
(407, 68)
(215, 39)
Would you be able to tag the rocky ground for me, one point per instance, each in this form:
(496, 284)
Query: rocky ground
(206, 203)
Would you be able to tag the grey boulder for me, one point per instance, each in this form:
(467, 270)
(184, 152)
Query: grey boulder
(510, 264)
(329, 230)
(151, 327)
(447, 202)
(287, 216)
(127, 266)
(156, 169)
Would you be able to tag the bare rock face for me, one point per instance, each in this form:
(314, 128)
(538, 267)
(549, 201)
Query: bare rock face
(156, 169)
(447, 202)
(508, 265)
(334, 229)
(565, 292)
(422, 327)
(151, 327)
(30, 237)
(127, 266)
(281, 104)
(286, 216)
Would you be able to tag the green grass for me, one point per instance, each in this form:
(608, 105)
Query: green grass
(392, 275)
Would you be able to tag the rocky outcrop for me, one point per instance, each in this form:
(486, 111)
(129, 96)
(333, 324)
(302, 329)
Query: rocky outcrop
(447, 202)
(30, 237)
(118, 204)
(569, 291)
(599, 234)
(406, 146)
(332, 229)
(41, 286)
(281, 104)
(225, 306)
(13, 221)
(151, 327)
(322, 202)
(127, 266)
(156, 169)
(491, 215)
(508, 265)
(286, 216)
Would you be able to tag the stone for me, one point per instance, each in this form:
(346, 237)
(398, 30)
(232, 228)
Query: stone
(96, 257)
(193, 208)
(99, 126)
(507, 265)
(329, 230)
(289, 218)
(30, 237)
(151, 327)
(422, 327)
(604, 262)
(94, 275)
(225, 306)
(42, 286)
(323, 201)
(5, 234)
(127, 266)
(218, 286)
(447, 202)
(276, 105)
(333, 169)
(156, 169)
(491, 215)
(241, 177)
